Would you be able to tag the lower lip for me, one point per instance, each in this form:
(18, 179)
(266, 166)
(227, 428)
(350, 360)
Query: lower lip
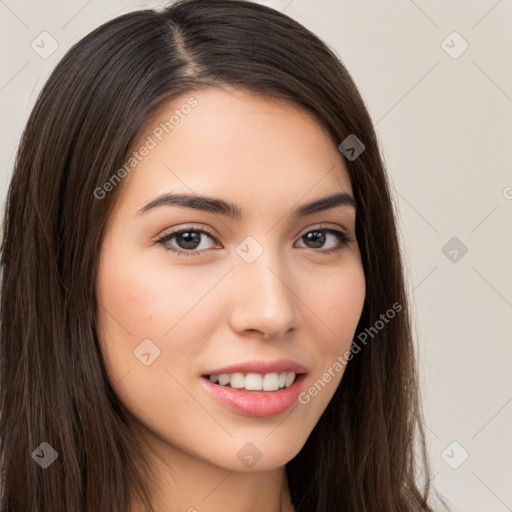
(256, 403)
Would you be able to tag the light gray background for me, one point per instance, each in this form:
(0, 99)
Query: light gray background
(445, 127)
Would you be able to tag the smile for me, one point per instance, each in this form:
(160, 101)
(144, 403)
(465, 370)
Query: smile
(255, 381)
(255, 403)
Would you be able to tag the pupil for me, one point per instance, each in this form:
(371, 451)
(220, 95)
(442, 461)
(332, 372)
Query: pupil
(189, 239)
(316, 237)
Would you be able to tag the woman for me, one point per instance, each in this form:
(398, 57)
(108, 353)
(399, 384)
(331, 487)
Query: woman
(272, 371)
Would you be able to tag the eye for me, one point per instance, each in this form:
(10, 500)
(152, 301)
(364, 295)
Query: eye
(189, 240)
(318, 236)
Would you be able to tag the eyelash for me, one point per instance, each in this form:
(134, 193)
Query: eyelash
(342, 236)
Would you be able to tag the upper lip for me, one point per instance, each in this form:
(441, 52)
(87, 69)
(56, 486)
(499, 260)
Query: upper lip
(262, 367)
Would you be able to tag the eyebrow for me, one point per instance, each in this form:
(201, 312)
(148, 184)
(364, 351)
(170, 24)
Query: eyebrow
(219, 206)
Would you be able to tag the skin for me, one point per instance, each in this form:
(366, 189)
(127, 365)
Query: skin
(211, 310)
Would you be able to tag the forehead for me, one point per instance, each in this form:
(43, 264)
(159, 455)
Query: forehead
(233, 143)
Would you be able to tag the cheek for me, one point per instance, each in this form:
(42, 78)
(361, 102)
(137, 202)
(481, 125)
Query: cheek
(337, 301)
(151, 314)
(337, 306)
(139, 302)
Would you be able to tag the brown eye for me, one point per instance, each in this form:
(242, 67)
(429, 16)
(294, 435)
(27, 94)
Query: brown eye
(317, 238)
(186, 240)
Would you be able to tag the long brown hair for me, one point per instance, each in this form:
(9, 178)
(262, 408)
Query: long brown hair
(360, 456)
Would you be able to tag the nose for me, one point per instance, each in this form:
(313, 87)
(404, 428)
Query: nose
(263, 297)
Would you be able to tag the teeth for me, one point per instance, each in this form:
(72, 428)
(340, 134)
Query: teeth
(224, 379)
(290, 377)
(255, 381)
(237, 380)
(270, 382)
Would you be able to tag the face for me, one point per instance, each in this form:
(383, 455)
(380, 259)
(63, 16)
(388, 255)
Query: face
(215, 327)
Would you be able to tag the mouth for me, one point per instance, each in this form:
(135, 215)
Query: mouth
(268, 382)
(258, 389)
